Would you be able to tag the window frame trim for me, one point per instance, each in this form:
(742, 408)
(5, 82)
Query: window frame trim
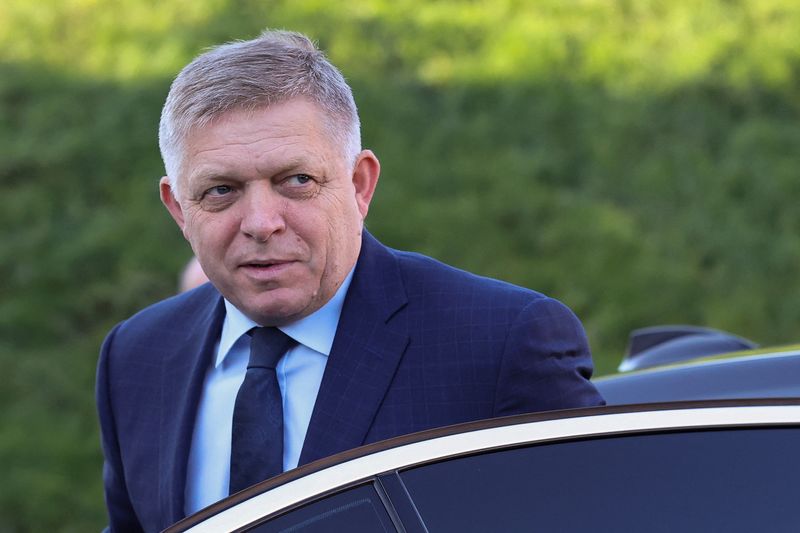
(310, 482)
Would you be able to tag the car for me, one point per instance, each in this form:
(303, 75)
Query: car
(672, 363)
(714, 465)
(700, 433)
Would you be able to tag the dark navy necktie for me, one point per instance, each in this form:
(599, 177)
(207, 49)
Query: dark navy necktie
(257, 435)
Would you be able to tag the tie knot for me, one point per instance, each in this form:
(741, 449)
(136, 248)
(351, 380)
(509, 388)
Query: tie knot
(267, 346)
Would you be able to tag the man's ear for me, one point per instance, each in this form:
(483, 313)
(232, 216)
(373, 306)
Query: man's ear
(365, 178)
(170, 202)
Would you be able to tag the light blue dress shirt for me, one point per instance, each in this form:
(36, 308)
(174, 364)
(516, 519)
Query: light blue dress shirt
(299, 376)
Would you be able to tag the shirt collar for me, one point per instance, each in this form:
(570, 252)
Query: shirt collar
(316, 331)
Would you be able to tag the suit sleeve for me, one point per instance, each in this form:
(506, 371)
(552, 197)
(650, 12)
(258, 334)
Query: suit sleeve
(120, 510)
(546, 362)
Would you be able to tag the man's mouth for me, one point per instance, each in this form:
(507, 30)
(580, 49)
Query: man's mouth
(266, 265)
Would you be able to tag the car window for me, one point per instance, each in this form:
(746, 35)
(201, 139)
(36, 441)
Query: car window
(714, 480)
(354, 510)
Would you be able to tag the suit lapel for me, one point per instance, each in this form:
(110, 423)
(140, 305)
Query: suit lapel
(184, 367)
(370, 340)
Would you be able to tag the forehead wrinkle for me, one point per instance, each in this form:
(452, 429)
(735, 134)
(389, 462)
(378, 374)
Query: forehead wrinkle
(228, 166)
(294, 153)
(232, 165)
(258, 132)
(261, 161)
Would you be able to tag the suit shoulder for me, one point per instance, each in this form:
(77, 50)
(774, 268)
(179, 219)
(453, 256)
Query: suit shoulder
(171, 312)
(425, 275)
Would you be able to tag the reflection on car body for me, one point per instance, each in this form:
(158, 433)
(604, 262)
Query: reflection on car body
(722, 465)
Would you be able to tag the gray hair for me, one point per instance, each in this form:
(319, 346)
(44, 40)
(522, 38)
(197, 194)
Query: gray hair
(275, 67)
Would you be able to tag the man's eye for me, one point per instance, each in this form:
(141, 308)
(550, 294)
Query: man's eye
(219, 190)
(299, 179)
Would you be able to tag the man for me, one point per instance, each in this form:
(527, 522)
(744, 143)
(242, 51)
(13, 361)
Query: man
(268, 182)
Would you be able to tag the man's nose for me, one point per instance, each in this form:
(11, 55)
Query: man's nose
(263, 212)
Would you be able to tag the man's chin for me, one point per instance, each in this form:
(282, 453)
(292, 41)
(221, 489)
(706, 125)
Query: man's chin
(277, 311)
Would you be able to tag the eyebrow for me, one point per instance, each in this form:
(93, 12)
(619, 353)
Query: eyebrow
(210, 174)
(295, 163)
(200, 180)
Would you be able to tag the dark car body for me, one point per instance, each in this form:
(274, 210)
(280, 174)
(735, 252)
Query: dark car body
(696, 466)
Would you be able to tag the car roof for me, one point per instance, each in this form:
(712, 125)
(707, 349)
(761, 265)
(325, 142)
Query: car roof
(764, 373)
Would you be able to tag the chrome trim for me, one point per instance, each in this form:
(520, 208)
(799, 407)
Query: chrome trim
(362, 468)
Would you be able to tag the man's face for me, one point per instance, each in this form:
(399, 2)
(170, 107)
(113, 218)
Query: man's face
(272, 208)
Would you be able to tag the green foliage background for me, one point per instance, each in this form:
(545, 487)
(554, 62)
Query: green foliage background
(636, 159)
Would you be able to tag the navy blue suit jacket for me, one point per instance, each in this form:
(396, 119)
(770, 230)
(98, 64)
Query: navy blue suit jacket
(419, 345)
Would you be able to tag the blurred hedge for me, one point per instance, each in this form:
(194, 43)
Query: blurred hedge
(636, 159)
